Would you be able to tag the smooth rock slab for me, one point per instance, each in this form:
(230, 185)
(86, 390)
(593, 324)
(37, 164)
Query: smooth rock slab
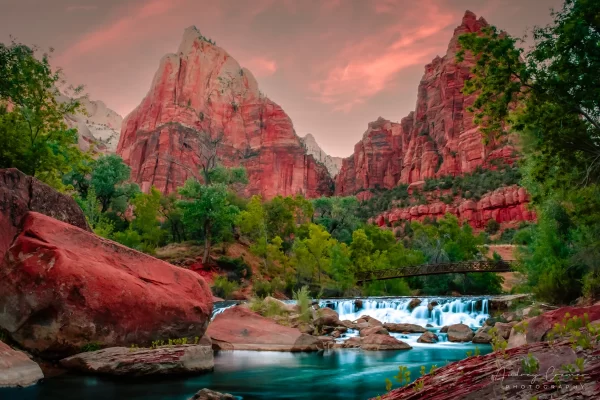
(123, 361)
(383, 342)
(16, 369)
(239, 328)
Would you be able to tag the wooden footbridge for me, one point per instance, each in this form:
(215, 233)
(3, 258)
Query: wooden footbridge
(434, 269)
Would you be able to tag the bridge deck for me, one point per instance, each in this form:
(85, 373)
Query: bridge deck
(435, 269)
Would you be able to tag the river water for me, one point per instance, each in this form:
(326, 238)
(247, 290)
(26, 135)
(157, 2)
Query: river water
(333, 374)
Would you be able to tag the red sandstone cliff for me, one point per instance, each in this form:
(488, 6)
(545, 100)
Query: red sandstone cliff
(437, 139)
(202, 103)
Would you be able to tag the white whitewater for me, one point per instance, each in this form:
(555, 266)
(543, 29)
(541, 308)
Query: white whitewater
(470, 311)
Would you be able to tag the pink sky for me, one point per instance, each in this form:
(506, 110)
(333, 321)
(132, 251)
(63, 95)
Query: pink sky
(333, 65)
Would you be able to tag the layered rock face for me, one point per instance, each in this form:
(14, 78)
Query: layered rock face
(439, 138)
(506, 204)
(202, 105)
(333, 164)
(97, 125)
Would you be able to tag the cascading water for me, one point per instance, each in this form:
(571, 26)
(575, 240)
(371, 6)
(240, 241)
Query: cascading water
(436, 312)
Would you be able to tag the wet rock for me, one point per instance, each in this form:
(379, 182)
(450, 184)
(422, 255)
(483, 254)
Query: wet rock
(444, 329)
(348, 324)
(428, 326)
(305, 327)
(404, 328)
(370, 320)
(414, 303)
(482, 335)
(383, 342)
(358, 303)
(238, 328)
(122, 361)
(326, 316)
(341, 329)
(353, 343)
(491, 321)
(336, 334)
(16, 369)
(374, 330)
(460, 333)
(207, 394)
(432, 305)
(428, 337)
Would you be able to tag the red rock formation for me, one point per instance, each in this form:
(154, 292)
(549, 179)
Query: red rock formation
(437, 139)
(507, 204)
(200, 96)
(63, 287)
(238, 328)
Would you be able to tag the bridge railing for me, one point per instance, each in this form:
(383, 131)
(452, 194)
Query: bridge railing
(435, 269)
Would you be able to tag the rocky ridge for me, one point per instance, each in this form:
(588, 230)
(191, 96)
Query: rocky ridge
(203, 107)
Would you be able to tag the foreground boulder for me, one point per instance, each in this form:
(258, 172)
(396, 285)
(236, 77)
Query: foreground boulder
(16, 369)
(382, 342)
(20, 194)
(122, 361)
(460, 333)
(501, 376)
(207, 394)
(536, 329)
(63, 288)
(483, 335)
(326, 317)
(238, 328)
(404, 328)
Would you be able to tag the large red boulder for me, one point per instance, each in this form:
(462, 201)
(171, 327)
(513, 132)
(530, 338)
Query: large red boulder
(536, 329)
(238, 328)
(63, 287)
(20, 193)
(202, 104)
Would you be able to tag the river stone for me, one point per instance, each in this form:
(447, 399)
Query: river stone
(371, 321)
(326, 316)
(483, 335)
(428, 337)
(460, 333)
(444, 329)
(16, 369)
(353, 342)
(404, 328)
(431, 305)
(503, 329)
(348, 324)
(383, 342)
(414, 303)
(123, 361)
(375, 330)
(207, 394)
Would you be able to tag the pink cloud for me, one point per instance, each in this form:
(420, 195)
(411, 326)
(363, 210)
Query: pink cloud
(366, 67)
(134, 22)
(262, 66)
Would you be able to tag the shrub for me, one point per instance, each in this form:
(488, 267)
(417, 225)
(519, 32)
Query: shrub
(591, 285)
(303, 300)
(236, 268)
(222, 287)
(92, 346)
(262, 288)
(492, 226)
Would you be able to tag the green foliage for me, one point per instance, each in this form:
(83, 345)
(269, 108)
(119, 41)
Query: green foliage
(303, 301)
(236, 268)
(146, 211)
(580, 332)
(530, 364)
(33, 135)
(549, 98)
(108, 178)
(390, 287)
(224, 288)
(92, 346)
(338, 215)
(492, 226)
(207, 213)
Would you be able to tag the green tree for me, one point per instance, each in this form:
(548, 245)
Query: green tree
(341, 266)
(338, 215)
(146, 211)
(109, 179)
(33, 134)
(550, 97)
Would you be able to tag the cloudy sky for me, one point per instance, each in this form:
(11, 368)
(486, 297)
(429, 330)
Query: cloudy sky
(333, 65)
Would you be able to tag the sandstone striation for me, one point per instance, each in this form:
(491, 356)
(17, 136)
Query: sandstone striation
(438, 139)
(202, 107)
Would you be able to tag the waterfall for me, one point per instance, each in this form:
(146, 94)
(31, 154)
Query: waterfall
(436, 312)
